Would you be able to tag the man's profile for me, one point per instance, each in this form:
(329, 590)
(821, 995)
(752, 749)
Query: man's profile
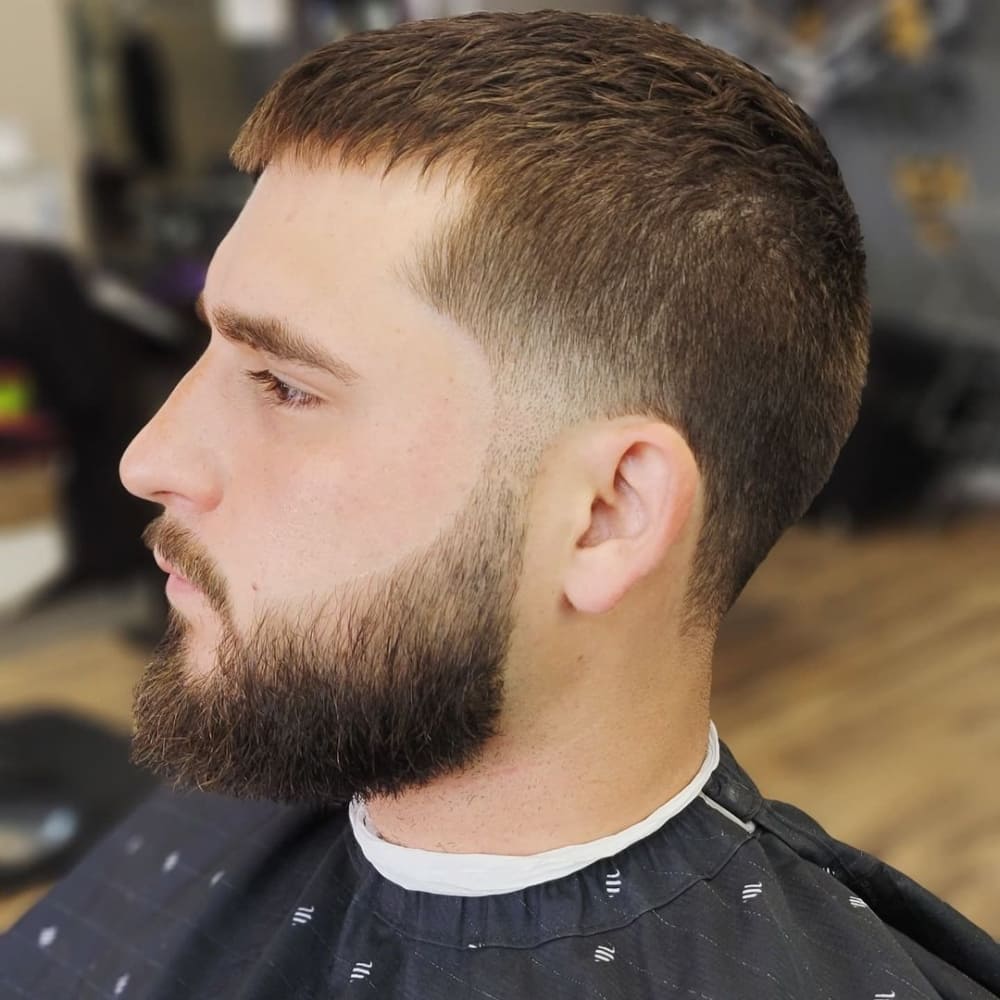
(535, 334)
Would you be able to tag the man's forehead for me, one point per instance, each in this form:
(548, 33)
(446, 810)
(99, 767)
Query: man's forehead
(404, 194)
(336, 254)
(341, 227)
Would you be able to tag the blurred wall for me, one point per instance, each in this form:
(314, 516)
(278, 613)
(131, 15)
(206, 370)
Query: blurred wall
(201, 73)
(205, 76)
(37, 94)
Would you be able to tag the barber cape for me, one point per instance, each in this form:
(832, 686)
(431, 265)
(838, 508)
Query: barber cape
(734, 896)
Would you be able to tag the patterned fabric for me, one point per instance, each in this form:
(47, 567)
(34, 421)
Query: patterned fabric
(198, 896)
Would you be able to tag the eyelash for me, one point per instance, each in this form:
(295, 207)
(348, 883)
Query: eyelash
(281, 393)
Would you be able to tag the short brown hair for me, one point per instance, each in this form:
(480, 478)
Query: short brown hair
(654, 228)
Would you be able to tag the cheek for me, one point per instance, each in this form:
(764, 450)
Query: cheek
(306, 526)
(356, 495)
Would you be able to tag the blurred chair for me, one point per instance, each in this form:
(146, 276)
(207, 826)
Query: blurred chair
(98, 379)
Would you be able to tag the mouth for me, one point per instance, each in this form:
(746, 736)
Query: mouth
(169, 568)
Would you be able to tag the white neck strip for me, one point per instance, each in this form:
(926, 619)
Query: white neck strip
(451, 874)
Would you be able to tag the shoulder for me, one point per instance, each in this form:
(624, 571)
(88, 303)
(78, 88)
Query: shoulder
(820, 909)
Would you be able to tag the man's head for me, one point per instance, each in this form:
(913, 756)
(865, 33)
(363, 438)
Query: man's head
(552, 253)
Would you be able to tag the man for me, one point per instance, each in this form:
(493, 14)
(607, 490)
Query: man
(535, 334)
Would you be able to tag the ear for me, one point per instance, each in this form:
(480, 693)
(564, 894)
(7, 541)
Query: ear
(637, 499)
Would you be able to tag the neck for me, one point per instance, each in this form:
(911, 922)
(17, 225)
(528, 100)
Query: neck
(618, 742)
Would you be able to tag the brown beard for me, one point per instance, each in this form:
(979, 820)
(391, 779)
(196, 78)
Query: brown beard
(406, 686)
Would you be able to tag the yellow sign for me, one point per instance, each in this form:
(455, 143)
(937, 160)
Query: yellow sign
(908, 29)
(929, 186)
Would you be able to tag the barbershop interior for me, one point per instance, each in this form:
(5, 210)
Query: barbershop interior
(858, 674)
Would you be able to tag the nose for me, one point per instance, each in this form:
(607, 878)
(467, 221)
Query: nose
(173, 460)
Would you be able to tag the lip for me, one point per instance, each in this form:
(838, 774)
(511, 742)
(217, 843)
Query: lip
(178, 587)
(170, 569)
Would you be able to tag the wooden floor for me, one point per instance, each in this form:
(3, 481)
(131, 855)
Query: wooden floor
(860, 680)
(855, 678)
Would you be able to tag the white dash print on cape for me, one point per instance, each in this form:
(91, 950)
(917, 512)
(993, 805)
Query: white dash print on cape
(216, 878)
(752, 890)
(604, 953)
(170, 861)
(120, 985)
(47, 936)
(613, 883)
(362, 970)
(303, 914)
(858, 903)
(886, 996)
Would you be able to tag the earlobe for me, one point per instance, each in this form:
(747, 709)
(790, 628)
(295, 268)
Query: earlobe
(635, 522)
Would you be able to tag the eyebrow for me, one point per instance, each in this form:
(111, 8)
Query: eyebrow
(275, 337)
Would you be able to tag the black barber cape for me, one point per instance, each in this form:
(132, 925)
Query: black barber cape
(198, 896)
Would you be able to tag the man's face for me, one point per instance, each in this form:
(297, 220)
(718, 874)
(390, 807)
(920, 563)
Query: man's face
(353, 550)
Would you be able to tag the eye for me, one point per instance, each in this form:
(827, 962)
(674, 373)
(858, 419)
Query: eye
(281, 393)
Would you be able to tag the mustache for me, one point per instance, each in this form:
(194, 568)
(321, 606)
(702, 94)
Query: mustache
(179, 548)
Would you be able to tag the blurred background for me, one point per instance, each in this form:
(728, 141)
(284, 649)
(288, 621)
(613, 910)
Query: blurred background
(858, 674)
